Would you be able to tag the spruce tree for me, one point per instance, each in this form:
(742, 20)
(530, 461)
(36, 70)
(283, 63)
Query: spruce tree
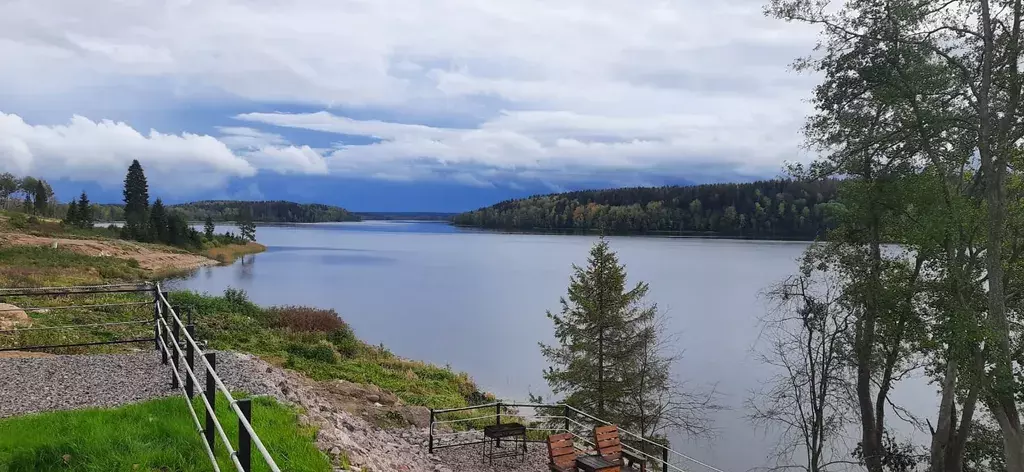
(598, 338)
(158, 223)
(209, 228)
(71, 217)
(136, 201)
(41, 197)
(84, 212)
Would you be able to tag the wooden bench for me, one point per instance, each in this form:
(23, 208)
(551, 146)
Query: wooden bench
(561, 453)
(609, 446)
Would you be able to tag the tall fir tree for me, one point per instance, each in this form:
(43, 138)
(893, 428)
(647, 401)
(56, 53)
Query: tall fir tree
(208, 227)
(599, 337)
(136, 202)
(158, 223)
(71, 217)
(41, 198)
(83, 212)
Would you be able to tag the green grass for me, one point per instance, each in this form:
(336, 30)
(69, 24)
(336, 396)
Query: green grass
(36, 266)
(155, 435)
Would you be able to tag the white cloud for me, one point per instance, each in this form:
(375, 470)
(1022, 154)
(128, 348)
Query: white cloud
(101, 151)
(587, 83)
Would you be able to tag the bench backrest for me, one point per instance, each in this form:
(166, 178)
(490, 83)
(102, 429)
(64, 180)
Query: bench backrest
(606, 440)
(561, 451)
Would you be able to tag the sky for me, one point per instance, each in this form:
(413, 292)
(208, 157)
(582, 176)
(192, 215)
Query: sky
(387, 105)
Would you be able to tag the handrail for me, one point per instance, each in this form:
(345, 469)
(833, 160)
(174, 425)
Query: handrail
(663, 460)
(243, 422)
(191, 410)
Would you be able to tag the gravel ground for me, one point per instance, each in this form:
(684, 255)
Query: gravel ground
(470, 458)
(30, 385)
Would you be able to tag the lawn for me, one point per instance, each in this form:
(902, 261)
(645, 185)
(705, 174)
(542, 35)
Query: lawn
(156, 435)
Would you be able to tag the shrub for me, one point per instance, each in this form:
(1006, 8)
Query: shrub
(317, 352)
(32, 220)
(19, 220)
(302, 318)
(236, 296)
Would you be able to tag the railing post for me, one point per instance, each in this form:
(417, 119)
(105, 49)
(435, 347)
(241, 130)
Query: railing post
(664, 458)
(175, 336)
(430, 441)
(190, 362)
(497, 421)
(244, 441)
(565, 413)
(211, 397)
(156, 323)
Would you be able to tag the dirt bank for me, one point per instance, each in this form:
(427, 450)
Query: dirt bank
(148, 257)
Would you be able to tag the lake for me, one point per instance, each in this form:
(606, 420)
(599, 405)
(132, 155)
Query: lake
(477, 300)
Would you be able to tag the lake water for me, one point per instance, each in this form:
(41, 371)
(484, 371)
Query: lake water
(477, 301)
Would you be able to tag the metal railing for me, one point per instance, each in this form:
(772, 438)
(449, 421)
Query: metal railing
(7, 334)
(169, 329)
(176, 341)
(555, 418)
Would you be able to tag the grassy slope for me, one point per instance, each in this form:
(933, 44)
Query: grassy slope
(232, 322)
(155, 435)
(52, 228)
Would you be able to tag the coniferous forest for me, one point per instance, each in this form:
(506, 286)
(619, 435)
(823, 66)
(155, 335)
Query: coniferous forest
(768, 209)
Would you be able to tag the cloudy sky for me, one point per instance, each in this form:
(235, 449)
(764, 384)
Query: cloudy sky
(396, 105)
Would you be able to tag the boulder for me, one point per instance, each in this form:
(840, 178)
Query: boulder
(11, 316)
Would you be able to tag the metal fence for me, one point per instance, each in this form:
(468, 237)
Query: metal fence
(9, 337)
(176, 341)
(171, 335)
(547, 419)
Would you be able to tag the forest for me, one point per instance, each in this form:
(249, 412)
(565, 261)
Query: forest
(264, 211)
(767, 209)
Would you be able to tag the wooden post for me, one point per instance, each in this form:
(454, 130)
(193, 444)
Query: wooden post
(244, 441)
(430, 447)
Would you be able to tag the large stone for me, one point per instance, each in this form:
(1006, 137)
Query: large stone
(12, 317)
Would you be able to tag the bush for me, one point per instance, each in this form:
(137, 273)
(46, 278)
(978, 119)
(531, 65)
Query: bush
(236, 296)
(302, 318)
(32, 220)
(317, 352)
(19, 220)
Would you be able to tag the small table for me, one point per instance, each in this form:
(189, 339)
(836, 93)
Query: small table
(495, 433)
(596, 464)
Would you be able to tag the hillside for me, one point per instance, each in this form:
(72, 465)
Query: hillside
(265, 211)
(768, 209)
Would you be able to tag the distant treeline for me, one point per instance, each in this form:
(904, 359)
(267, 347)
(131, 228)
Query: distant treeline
(770, 209)
(406, 215)
(264, 211)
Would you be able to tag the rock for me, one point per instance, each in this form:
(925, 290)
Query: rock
(11, 316)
